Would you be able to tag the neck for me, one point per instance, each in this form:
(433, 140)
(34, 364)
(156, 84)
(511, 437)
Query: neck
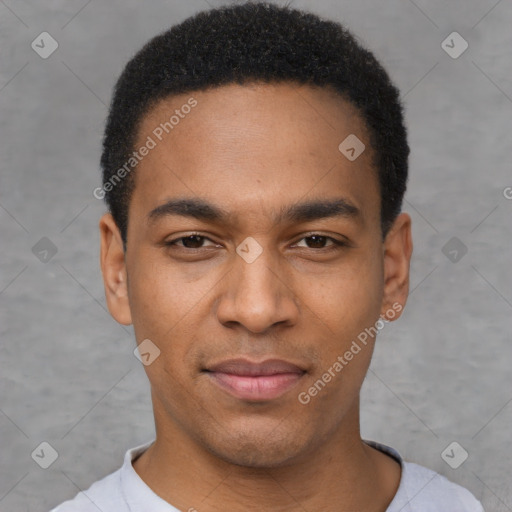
(339, 472)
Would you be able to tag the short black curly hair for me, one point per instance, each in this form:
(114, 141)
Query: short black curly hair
(255, 42)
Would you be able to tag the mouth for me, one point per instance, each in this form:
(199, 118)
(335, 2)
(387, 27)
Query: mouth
(253, 381)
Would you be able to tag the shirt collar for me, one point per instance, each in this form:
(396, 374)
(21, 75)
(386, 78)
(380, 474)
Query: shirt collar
(401, 500)
(139, 496)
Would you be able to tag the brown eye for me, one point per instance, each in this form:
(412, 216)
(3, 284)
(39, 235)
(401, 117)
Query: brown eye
(317, 241)
(192, 241)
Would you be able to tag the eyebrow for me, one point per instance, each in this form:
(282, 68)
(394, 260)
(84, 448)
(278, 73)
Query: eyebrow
(298, 212)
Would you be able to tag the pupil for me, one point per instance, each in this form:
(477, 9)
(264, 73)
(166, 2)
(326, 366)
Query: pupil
(191, 238)
(317, 238)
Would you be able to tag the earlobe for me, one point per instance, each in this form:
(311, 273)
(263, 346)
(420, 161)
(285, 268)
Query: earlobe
(113, 268)
(397, 256)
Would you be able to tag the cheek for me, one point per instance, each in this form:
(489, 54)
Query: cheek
(149, 296)
(348, 299)
(159, 296)
(346, 309)
(161, 307)
(167, 308)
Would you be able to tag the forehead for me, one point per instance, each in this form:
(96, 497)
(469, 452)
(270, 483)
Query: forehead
(254, 148)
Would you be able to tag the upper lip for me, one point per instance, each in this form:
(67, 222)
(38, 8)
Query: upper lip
(250, 368)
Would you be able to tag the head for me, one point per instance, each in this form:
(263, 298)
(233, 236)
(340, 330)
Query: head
(240, 227)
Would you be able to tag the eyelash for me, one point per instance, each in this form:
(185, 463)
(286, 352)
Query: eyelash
(336, 244)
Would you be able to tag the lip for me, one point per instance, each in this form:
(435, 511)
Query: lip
(255, 381)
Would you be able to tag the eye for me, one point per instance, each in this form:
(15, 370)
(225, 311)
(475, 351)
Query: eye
(318, 241)
(195, 241)
(192, 241)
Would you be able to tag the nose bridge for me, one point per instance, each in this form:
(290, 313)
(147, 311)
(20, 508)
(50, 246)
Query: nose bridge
(256, 296)
(256, 285)
(257, 273)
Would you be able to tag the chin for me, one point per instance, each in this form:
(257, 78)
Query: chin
(258, 451)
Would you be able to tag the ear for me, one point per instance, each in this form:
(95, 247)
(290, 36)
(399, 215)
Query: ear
(397, 256)
(113, 268)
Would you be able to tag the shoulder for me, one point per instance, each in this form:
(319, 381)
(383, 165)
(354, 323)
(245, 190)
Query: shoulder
(422, 489)
(104, 495)
(109, 493)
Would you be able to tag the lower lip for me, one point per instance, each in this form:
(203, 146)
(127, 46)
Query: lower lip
(263, 387)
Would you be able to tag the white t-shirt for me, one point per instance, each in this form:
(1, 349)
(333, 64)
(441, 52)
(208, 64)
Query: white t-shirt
(420, 490)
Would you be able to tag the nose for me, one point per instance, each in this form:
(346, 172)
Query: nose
(258, 294)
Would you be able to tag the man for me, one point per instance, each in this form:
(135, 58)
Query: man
(254, 164)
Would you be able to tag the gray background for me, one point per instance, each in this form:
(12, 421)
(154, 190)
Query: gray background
(67, 370)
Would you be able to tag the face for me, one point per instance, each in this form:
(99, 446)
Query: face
(279, 256)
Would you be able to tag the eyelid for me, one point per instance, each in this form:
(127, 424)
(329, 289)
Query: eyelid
(335, 241)
(187, 235)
